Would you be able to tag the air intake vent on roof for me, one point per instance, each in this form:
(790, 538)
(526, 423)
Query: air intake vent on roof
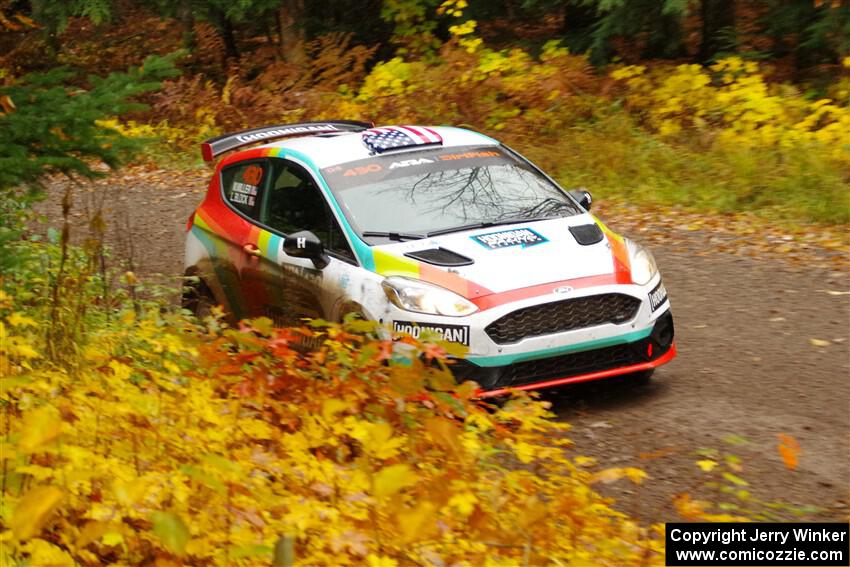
(440, 257)
(587, 234)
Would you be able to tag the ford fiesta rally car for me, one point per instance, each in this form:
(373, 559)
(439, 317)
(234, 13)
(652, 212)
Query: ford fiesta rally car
(433, 228)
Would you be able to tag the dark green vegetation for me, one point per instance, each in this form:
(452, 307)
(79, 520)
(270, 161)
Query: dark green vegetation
(536, 73)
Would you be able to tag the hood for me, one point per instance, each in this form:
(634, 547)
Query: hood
(508, 257)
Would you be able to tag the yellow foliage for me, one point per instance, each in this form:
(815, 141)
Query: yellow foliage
(732, 101)
(202, 127)
(229, 448)
(33, 510)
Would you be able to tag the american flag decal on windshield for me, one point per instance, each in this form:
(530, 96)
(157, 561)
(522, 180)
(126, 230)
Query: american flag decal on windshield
(380, 140)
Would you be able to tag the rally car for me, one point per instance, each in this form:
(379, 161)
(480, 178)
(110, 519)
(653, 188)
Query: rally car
(426, 228)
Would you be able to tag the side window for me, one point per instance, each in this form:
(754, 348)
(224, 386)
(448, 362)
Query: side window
(243, 186)
(294, 203)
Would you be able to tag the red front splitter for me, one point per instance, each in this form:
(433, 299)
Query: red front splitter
(668, 356)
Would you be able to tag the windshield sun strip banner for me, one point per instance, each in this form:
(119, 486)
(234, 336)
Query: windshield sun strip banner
(428, 160)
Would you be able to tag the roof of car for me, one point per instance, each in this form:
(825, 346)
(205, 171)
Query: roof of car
(334, 149)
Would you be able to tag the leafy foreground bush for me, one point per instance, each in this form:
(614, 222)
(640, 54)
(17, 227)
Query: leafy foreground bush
(170, 444)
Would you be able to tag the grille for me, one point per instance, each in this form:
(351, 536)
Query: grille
(560, 316)
(570, 364)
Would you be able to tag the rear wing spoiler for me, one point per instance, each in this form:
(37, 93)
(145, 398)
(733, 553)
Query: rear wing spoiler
(216, 146)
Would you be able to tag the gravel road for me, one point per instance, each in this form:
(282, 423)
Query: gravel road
(747, 369)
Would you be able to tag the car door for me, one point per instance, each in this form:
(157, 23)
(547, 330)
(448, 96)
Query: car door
(294, 289)
(242, 188)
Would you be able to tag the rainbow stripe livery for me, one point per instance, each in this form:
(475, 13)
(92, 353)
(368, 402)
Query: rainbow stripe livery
(433, 228)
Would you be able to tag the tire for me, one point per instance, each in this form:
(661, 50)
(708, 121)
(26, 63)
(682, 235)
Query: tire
(198, 299)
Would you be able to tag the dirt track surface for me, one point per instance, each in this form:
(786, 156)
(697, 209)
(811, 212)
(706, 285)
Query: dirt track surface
(746, 370)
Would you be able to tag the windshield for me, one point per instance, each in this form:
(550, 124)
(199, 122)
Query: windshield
(413, 195)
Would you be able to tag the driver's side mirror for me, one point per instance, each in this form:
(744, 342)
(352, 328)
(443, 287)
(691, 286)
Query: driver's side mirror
(305, 244)
(583, 197)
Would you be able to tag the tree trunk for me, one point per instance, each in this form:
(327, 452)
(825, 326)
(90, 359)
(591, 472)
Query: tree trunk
(290, 19)
(577, 27)
(229, 38)
(224, 27)
(717, 15)
(187, 22)
(665, 41)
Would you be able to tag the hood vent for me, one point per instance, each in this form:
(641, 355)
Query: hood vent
(587, 234)
(440, 257)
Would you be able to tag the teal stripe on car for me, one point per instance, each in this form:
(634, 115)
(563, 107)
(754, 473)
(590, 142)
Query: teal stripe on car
(273, 248)
(505, 359)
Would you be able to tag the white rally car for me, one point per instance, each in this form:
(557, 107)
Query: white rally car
(433, 228)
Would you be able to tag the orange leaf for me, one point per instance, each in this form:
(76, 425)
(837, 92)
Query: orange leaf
(789, 450)
(689, 508)
(445, 433)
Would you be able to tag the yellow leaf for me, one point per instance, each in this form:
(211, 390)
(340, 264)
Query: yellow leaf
(464, 502)
(635, 475)
(45, 554)
(18, 320)
(445, 433)
(171, 530)
(607, 476)
(414, 525)
(381, 561)
(121, 370)
(33, 511)
(532, 512)
(129, 493)
(735, 479)
(707, 465)
(389, 480)
(41, 426)
(129, 317)
(818, 342)
(582, 461)
(525, 452)
(91, 531)
(112, 538)
(333, 406)
(377, 439)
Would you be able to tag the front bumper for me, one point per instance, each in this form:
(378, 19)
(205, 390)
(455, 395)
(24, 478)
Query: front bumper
(548, 350)
(646, 353)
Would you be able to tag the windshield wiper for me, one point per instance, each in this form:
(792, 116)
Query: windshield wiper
(486, 224)
(394, 235)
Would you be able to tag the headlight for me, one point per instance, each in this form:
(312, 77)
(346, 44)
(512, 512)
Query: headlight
(642, 262)
(414, 295)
